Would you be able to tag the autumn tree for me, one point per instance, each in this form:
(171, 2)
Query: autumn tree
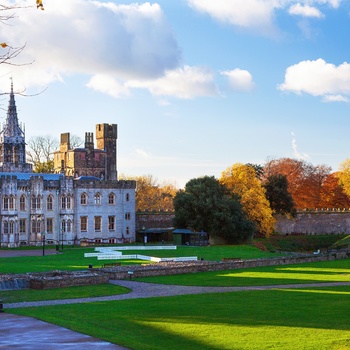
(281, 201)
(242, 180)
(304, 179)
(344, 175)
(207, 205)
(151, 195)
(333, 194)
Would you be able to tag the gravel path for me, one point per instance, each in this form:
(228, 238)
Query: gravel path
(151, 290)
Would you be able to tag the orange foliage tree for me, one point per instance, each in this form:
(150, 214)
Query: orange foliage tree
(305, 180)
(333, 194)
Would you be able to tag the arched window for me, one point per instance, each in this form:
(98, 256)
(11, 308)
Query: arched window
(69, 225)
(111, 199)
(63, 226)
(36, 202)
(5, 203)
(97, 199)
(22, 203)
(49, 202)
(83, 199)
(69, 203)
(12, 202)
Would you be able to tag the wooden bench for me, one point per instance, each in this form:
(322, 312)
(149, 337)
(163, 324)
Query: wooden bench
(112, 264)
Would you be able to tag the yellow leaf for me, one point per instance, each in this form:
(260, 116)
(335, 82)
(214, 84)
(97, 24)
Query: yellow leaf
(3, 45)
(39, 3)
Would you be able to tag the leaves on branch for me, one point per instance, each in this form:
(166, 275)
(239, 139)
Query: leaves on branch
(39, 4)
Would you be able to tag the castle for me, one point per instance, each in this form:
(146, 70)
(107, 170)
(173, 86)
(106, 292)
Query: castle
(81, 201)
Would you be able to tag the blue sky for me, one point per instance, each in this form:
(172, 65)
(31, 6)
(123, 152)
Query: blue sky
(194, 85)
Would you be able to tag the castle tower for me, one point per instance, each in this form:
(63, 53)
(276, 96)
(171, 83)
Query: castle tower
(12, 142)
(106, 137)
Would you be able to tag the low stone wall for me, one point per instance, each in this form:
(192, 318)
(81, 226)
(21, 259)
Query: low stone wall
(60, 279)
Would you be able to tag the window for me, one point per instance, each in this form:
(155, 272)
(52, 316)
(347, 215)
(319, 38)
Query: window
(68, 202)
(127, 216)
(111, 223)
(63, 226)
(127, 230)
(83, 223)
(127, 197)
(83, 199)
(5, 203)
(111, 199)
(22, 225)
(12, 202)
(49, 225)
(6, 227)
(22, 203)
(63, 202)
(12, 227)
(36, 203)
(97, 199)
(69, 225)
(36, 226)
(98, 222)
(49, 203)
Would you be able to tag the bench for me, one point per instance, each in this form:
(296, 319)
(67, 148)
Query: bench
(111, 264)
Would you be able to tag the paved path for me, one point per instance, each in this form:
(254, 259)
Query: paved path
(151, 290)
(26, 333)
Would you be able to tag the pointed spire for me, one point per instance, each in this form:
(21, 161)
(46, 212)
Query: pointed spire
(12, 128)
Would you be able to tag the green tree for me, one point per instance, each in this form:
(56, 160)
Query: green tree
(281, 201)
(242, 180)
(207, 205)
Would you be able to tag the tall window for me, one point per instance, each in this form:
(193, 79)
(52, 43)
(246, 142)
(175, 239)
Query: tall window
(6, 227)
(98, 222)
(22, 225)
(83, 199)
(36, 203)
(5, 204)
(127, 197)
(68, 202)
(36, 226)
(49, 225)
(22, 203)
(83, 223)
(127, 216)
(63, 202)
(111, 199)
(97, 199)
(69, 225)
(111, 223)
(12, 202)
(63, 226)
(49, 203)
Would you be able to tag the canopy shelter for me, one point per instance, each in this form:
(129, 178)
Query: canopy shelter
(189, 237)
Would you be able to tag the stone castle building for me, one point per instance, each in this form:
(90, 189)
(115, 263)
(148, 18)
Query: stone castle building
(82, 201)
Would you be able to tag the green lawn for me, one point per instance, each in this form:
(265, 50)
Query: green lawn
(315, 318)
(16, 296)
(327, 271)
(73, 258)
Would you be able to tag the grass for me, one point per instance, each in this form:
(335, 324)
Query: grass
(315, 318)
(326, 271)
(73, 258)
(16, 296)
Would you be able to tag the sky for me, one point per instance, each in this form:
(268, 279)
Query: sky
(195, 86)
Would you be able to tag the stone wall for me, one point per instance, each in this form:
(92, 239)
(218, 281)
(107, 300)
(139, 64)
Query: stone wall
(103, 275)
(316, 222)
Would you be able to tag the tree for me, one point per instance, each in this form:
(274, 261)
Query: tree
(344, 175)
(152, 196)
(333, 194)
(304, 179)
(281, 201)
(206, 205)
(242, 180)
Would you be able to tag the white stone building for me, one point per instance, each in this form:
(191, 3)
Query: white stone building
(57, 208)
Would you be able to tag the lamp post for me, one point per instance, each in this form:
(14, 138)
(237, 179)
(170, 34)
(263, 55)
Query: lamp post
(43, 242)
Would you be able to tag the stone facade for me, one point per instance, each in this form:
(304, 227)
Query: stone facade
(58, 208)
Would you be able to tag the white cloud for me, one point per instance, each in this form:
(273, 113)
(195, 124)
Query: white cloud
(186, 83)
(90, 37)
(296, 153)
(305, 11)
(318, 78)
(239, 79)
(259, 15)
(108, 85)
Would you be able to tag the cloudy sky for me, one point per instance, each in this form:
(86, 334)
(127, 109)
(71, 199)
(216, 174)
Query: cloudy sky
(194, 85)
